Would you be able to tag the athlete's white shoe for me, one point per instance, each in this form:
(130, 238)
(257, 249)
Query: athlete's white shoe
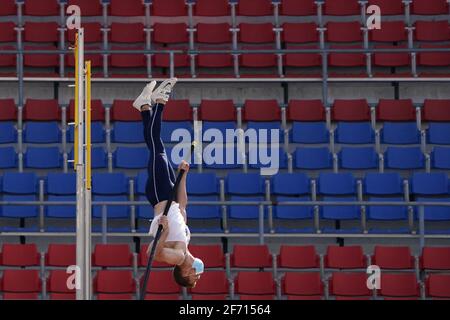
(164, 90)
(145, 96)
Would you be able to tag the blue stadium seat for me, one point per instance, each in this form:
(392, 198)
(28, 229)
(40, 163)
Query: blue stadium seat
(272, 125)
(336, 184)
(19, 211)
(404, 158)
(244, 184)
(400, 133)
(215, 125)
(43, 158)
(255, 161)
(42, 132)
(249, 212)
(61, 187)
(8, 158)
(109, 183)
(97, 133)
(61, 211)
(19, 187)
(216, 157)
(429, 183)
(131, 158)
(99, 158)
(168, 127)
(128, 132)
(387, 213)
(114, 212)
(435, 213)
(285, 212)
(290, 184)
(340, 212)
(309, 132)
(439, 133)
(355, 133)
(313, 158)
(358, 158)
(203, 187)
(440, 158)
(8, 133)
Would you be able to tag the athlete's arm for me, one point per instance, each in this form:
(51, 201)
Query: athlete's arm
(182, 198)
(163, 254)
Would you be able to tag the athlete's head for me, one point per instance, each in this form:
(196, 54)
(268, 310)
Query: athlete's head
(187, 274)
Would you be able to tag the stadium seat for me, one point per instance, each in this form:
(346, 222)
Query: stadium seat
(393, 257)
(132, 8)
(60, 255)
(432, 30)
(348, 257)
(354, 133)
(349, 285)
(429, 183)
(122, 110)
(435, 7)
(300, 32)
(440, 158)
(260, 34)
(19, 183)
(42, 132)
(436, 110)
(404, 158)
(61, 187)
(109, 183)
(298, 8)
(8, 110)
(161, 283)
(213, 33)
(313, 158)
(211, 8)
(20, 255)
(305, 285)
(7, 33)
(306, 110)
(217, 110)
(177, 110)
(131, 158)
(88, 7)
(8, 133)
(337, 59)
(396, 110)
(170, 33)
(127, 33)
(112, 255)
(439, 133)
(43, 158)
(435, 258)
(98, 158)
(299, 60)
(42, 110)
(399, 286)
(338, 8)
(8, 158)
(309, 132)
(344, 31)
(171, 132)
(392, 31)
(203, 187)
(211, 255)
(244, 184)
(211, 283)
(128, 132)
(254, 284)
(389, 7)
(97, 110)
(57, 286)
(358, 158)
(171, 8)
(298, 257)
(438, 286)
(41, 8)
(97, 133)
(114, 282)
(400, 133)
(251, 256)
(21, 281)
(8, 8)
(250, 8)
(434, 59)
(92, 32)
(350, 110)
(391, 59)
(46, 35)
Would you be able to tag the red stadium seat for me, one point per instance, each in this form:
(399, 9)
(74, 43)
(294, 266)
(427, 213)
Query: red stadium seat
(8, 60)
(163, 60)
(60, 255)
(389, 7)
(298, 257)
(306, 285)
(399, 286)
(251, 8)
(88, 7)
(256, 285)
(344, 31)
(302, 59)
(21, 281)
(306, 110)
(97, 110)
(8, 8)
(7, 32)
(342, 8)
(211, 282)
(122, 110)
(438, 286)
(435, 258)
(393, 257)
(41, 32)
(214, 60)
(351, 110)
(432, 30)
(256, 33)
(112, 255)
(114, 281)
(169, 8)
(212, 8)
(143, 259)
(300, 32)
(391, 31)
(161, 282)
(170, 33)
(114, 296)
(130, 8)
(349, 257)
(20, 296)
(251, 256)
(92, 33)
(261, 110)
(8, 110)
(127, 32)
(177, 110)
(396, 110)
(213, 33)
(258, 60)
(391, 59)
(57, 284)
(217, 110)
(41, 8)
(42, 110)
(41, 60)
(436, 110)
(20, 255)
(434, 59)
(349, 284)
(429, 7)
(211, 255)
(298, 8)
(347, 59)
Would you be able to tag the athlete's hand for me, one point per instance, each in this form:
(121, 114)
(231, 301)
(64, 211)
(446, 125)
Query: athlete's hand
(164, 222)
(184, 166)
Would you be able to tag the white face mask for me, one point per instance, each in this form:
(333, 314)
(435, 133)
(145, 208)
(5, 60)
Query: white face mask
(198, 266)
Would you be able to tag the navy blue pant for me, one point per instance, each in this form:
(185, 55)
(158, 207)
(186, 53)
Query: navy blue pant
(161, 177)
